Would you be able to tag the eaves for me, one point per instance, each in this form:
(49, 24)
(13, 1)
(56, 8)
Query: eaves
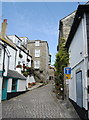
(79, 15)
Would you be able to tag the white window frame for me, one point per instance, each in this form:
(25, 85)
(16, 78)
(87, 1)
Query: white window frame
(37, 53)
(36, 64)
(37, 43)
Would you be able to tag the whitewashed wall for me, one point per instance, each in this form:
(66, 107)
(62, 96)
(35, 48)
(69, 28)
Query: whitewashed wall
(9, 87)
(24, 58)
(76, 47)
(1, 58)
(78, 61)
(12, 58)
(21, 85)
(6, 64)
(29, 63)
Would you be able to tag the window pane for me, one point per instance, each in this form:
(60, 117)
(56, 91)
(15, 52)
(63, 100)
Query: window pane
(13, 87)
(36, 64)
(14, 84)
(37, 43)
(37, 53)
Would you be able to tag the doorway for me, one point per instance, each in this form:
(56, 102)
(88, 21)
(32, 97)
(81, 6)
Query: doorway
(79, 89)
(4, 88)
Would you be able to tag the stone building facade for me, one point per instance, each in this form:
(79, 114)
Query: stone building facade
(40, 54)
(65, 26)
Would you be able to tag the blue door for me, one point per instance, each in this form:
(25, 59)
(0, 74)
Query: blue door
(79, 89)
(4, 89)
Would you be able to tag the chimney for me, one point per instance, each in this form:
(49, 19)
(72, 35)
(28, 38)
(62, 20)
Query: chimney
(4, 27)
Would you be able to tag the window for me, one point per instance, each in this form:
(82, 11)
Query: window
(14, 85)
(19, 62)
(37, 53)
(37, 43)
(36, 64)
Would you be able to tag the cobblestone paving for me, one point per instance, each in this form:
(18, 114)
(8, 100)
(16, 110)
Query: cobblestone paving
(38, 103)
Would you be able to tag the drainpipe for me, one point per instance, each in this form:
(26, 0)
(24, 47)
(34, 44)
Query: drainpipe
(3, 34)
(8, 62)
(15, 60)
(4, 61)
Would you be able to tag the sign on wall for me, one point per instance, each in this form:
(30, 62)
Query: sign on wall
(67, 72)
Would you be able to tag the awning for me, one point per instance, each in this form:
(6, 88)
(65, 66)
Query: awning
(15, 74)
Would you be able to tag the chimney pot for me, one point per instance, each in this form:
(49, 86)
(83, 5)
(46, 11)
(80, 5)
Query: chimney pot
(5, 20)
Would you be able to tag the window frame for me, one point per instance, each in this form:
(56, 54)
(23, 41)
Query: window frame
(14, 85)
(37, 43)
(37, 53)
(37, 64)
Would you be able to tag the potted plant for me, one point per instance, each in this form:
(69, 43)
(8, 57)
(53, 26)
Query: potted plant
(25, 73)
(19, 66)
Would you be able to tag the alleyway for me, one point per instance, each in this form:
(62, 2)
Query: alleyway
(38, 103)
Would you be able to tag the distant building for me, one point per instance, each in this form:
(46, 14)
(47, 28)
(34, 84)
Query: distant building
(51, 72)
(40, 54)
(64, 27)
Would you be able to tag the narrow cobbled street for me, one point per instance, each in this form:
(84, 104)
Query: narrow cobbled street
(38, 103)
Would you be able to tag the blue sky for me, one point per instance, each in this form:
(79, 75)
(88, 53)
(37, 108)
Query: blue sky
(37, 20)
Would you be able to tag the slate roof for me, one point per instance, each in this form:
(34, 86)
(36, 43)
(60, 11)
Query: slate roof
(15, 74)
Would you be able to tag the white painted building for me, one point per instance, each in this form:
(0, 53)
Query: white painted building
(1, 66)
(78, 47)
(25, 59)
(12, 83)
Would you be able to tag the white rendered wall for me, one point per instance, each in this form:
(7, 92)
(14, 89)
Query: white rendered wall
(76, 47)
(1, 58)
(6, 64)
(29, 63)
(12, 58)
(78, 61)
(9, 87)
(21, 85)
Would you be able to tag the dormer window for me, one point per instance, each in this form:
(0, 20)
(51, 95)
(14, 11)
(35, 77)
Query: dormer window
(37, 43)
(18, 43)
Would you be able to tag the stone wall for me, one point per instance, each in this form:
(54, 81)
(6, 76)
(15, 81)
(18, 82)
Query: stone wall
(65, 27)
(44, 57)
